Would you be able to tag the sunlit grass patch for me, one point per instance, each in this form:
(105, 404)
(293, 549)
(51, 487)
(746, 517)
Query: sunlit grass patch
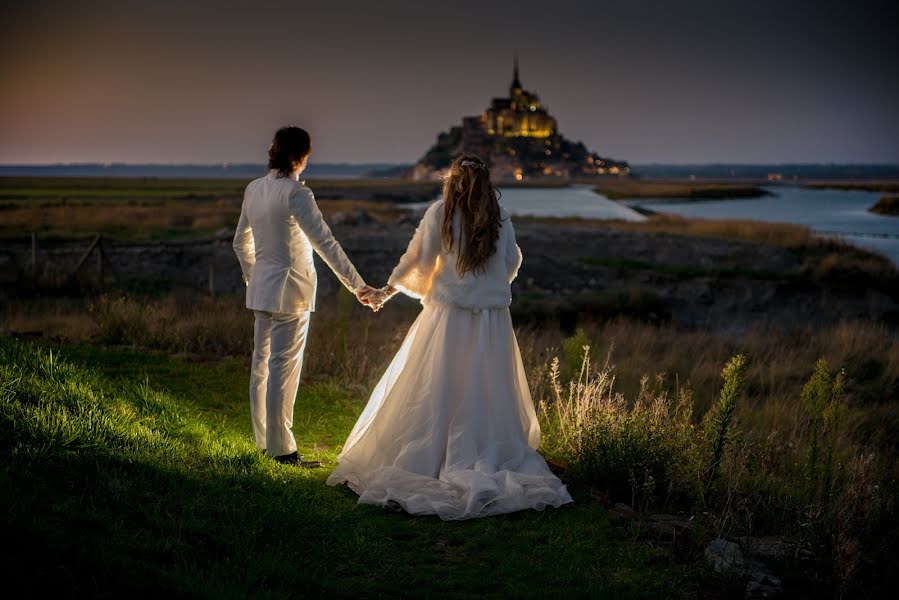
(133, 473)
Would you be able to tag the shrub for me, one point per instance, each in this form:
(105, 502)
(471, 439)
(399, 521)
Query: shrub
(574, 349)
(637, 449)
(649, 448)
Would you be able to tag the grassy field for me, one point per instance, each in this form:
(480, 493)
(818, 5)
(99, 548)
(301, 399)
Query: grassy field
(623, 188)
(161, 209)
(829, 262)
(133, 469)
(130, 466)
(125, 188)
(152, 209)
(128, 472)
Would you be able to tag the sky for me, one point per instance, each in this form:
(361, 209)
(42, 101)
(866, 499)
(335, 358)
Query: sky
(667, 81)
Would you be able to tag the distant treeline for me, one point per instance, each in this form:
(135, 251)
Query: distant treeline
(225, 171)
(787, 171)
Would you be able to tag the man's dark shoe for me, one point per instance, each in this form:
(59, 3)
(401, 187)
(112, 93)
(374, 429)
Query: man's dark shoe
(297, 459)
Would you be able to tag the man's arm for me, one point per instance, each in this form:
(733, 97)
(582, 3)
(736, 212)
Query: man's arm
(305, 210)
(245, 246)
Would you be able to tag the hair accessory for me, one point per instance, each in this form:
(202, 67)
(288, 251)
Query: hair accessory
(472, 164)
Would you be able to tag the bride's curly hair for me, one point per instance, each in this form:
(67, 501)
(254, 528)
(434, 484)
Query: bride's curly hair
(467, 189)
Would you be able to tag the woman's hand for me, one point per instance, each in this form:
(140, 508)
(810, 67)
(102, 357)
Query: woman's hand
(367, 295)
(381, 296)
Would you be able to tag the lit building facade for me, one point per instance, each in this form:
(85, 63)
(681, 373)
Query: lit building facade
(519, 115)
(519, 140)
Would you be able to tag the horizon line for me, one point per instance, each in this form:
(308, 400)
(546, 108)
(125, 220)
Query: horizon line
(398, 164)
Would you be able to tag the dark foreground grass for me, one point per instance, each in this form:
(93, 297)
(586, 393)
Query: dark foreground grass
(130, 472)
(681, 272)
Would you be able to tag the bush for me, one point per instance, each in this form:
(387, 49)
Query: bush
(635, 449)
(645, 450)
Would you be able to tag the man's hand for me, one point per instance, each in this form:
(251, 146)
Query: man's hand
(367, 296)
(382, 296)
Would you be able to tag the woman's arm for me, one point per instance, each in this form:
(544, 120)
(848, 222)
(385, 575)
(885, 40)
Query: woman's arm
(513, 252)
(414, 272)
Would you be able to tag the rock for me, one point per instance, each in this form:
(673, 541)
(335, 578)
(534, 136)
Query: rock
(724, 556)
(763, 583)
(668, 529)
(622, 511)
(775, 549)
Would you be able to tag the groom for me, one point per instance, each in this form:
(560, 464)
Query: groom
(279, 227)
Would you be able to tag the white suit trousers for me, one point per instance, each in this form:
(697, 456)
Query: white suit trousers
(279, 341)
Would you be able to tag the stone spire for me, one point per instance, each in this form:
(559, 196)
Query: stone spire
(516, 84)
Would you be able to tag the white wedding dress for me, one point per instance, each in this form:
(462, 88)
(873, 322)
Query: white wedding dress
(450, 429)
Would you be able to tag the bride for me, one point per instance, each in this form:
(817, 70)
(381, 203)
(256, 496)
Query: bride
(450, 429)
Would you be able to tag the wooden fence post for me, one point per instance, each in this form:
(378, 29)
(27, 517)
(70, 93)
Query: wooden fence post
(84, 257)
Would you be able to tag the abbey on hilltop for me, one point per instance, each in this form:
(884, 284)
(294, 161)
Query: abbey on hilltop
(520, 141)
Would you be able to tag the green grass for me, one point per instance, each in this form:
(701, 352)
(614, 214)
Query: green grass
(127, 471)
(42, 189)
(36, 188)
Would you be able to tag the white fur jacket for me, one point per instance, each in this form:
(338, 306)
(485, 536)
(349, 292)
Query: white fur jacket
(428, 270)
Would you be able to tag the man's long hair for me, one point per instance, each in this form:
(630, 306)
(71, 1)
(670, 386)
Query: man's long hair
(467, 189)
(290, 146)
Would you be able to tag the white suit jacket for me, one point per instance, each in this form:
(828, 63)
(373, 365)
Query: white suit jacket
(280, 225)
(428, 269)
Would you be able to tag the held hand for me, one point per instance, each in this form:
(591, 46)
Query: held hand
(367, 295)
(382, 296)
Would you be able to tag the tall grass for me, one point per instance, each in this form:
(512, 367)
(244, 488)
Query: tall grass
(824, 402)
(653, 451)
(349, 342)
(625, 448)
(719, 419)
